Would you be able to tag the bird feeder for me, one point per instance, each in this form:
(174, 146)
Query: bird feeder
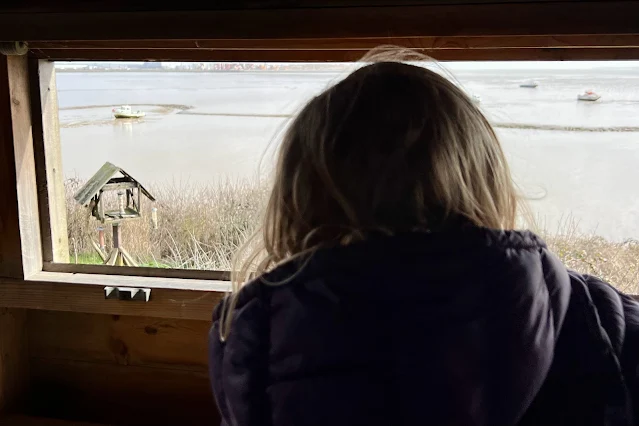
(112, 183)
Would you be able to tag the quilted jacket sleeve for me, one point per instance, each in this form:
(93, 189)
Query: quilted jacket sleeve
(239, 366)
(216, 358)
(619, 314)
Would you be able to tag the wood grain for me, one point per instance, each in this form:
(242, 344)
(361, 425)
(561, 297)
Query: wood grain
(119, 340)
(48, 157)
(187, 303)
(506, 19)
(14, 376)
(27, 194)
(133, 395)
(138, 271)
(342, 55)
(10, 244)
(451, 42)
(106, 5)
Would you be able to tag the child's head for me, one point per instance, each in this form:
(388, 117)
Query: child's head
(391, 148)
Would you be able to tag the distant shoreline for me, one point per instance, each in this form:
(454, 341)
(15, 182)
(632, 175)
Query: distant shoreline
(252, 71)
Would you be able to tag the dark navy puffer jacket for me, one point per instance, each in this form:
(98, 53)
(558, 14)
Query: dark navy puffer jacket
(470, 327)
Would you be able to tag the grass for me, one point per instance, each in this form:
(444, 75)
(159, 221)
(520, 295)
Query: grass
(616, 263)
(200, 227)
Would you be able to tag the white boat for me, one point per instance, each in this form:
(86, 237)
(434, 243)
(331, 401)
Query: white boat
(589, 95)
(125, 111)
(529, 84)
(476, 98)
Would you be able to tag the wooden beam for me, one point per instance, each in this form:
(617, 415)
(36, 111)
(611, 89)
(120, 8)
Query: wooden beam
(48, 157)
(154, 370)
(85, 293)
(507, 19)
(119, 185)
(138, 271)
(14, 377)
(206, 5)
(452, 42)
(345, 55)
(10, 243)
(25, 177)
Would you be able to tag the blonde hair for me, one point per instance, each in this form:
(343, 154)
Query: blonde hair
(393, 147)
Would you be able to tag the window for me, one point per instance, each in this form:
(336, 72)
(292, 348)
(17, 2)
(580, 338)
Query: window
(204, 149)
(200, 139)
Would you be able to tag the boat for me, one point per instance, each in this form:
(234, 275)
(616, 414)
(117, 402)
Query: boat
(589, 95)
(476, 98)
(529, 84)
(125, 111)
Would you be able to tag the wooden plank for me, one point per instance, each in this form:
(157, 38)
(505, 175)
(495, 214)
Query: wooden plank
(507, 19)
(106, 5)
(139, 271)
(99, 250)
(22, 420)
(112, 257)
(10, 243)
(86, 294)
(151, 370)
(14, 374)
(27, 193)
(128, 260)
(114, 279)
(119, 185)
(541, 54)
(472, 42)
(48, 157)
(119, 340)
(106, 393)
(344, 55)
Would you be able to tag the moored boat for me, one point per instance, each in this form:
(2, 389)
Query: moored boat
(589, 95)
(529, 84)
(125, 111)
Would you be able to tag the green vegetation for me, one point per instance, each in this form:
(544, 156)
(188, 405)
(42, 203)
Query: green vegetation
(200, 227)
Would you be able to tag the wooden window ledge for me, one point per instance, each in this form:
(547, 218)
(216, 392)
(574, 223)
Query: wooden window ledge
(71, 292)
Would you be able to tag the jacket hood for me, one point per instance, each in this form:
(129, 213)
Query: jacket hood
(472, 316)
(447, 328)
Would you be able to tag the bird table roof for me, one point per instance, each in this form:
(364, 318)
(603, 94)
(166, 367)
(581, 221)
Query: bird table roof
(101, 178)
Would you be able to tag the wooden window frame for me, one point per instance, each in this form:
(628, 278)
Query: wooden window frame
(30, 215)
(36, 280)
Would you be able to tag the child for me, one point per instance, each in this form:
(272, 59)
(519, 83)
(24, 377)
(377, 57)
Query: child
(394, 290)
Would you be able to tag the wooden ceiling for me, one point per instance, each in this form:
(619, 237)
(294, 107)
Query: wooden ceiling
(323, 30)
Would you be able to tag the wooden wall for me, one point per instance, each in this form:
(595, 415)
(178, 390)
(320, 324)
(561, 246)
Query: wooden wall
(137, 370)
(324, 30)
(121, 370)
(14, 373)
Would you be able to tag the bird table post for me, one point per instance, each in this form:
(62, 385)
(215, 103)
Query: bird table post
(117, 236)
(101, 239)
(154, 217)
(117, 243)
